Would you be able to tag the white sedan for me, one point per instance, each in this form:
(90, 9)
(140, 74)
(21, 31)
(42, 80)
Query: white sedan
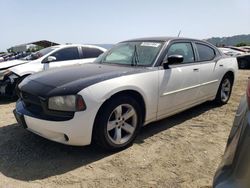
(45, 59)
(134, 83)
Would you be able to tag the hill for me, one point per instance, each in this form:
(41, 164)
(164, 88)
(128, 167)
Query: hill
(229, 41)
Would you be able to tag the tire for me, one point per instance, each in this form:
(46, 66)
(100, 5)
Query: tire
(224, 91)
(16, 86)
(113, 130)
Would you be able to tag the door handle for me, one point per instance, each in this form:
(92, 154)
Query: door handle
(196, 70)
(221, 65)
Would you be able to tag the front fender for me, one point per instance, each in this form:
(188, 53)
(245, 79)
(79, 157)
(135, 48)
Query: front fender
(146, 84)
(28, 68)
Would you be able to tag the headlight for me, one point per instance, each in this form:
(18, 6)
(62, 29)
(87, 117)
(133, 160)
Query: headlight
(69, 103)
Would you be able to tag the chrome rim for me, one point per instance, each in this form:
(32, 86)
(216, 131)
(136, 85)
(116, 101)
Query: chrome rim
(225, 90)
(122, 124)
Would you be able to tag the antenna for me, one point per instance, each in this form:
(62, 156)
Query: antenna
(179, 33)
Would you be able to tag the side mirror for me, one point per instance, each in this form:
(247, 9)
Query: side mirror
(50, 59)
(172, 59)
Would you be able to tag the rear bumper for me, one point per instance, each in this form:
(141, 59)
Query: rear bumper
(234, 170)
(76, 131)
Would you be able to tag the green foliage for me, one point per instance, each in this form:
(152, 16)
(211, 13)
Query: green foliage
(242, 44)
(230, 41)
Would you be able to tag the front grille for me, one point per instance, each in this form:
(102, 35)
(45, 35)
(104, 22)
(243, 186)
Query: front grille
(29, 98)
(31, 102)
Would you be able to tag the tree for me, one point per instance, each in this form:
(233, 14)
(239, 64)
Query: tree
(241, 44)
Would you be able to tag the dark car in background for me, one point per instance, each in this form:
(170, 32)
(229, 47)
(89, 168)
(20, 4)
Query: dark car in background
(244, 61)
(234, 170)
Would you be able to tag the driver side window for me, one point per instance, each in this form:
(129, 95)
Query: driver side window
(66, 54)
(184, 49)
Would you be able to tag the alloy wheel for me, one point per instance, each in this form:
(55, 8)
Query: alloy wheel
(225, 90)
(122, 124)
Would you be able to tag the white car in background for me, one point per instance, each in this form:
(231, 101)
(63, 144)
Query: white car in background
(45, 59)
(132, 84)
(5, 65)
(231, 52)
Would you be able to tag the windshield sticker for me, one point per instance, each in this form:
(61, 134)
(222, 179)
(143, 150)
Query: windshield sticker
(151, 44)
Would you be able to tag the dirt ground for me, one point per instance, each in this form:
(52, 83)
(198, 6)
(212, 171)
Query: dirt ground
(181, 151)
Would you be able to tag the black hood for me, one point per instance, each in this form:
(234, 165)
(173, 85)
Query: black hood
(72, 79)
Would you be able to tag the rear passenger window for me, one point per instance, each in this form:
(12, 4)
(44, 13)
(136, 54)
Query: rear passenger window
(205, 52)
(91, 52)
(184, 49)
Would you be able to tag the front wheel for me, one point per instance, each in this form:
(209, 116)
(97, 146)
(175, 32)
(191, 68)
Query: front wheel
(224, 91)
(117, 123)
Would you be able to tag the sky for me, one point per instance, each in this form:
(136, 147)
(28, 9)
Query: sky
(111, 21)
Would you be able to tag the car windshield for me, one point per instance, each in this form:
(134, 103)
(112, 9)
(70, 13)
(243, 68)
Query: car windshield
(39, 54)
(132, 53)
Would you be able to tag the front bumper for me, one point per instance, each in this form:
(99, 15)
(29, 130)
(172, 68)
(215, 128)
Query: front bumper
(76, 131)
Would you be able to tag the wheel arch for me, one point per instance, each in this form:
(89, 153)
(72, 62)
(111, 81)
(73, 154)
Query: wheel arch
(137, 95)
(128, 92)
(230, 74)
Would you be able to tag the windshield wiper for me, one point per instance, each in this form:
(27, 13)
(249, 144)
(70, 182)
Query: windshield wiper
(135, 58)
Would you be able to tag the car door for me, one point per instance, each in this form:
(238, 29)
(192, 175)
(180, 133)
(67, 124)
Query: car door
(64, 57)
(179, 84)
(209, 70)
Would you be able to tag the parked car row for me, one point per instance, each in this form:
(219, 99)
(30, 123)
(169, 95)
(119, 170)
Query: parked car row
(11, 56)
(231, 52)
(242, 55)
(13, 72)
(245, 49)
(134, 83)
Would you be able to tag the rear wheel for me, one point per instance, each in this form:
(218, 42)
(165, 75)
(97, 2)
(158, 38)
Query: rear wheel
(225, 89)
(117, 123)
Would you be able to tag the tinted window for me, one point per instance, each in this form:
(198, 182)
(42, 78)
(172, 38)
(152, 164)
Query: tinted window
(91, 52)
(184, 49)
(205, 52)
(66, 54)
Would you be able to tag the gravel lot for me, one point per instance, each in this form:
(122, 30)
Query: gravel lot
(181, 151)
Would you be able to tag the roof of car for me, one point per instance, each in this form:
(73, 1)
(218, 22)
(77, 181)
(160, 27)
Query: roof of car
(163, 39)
(73, 45)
